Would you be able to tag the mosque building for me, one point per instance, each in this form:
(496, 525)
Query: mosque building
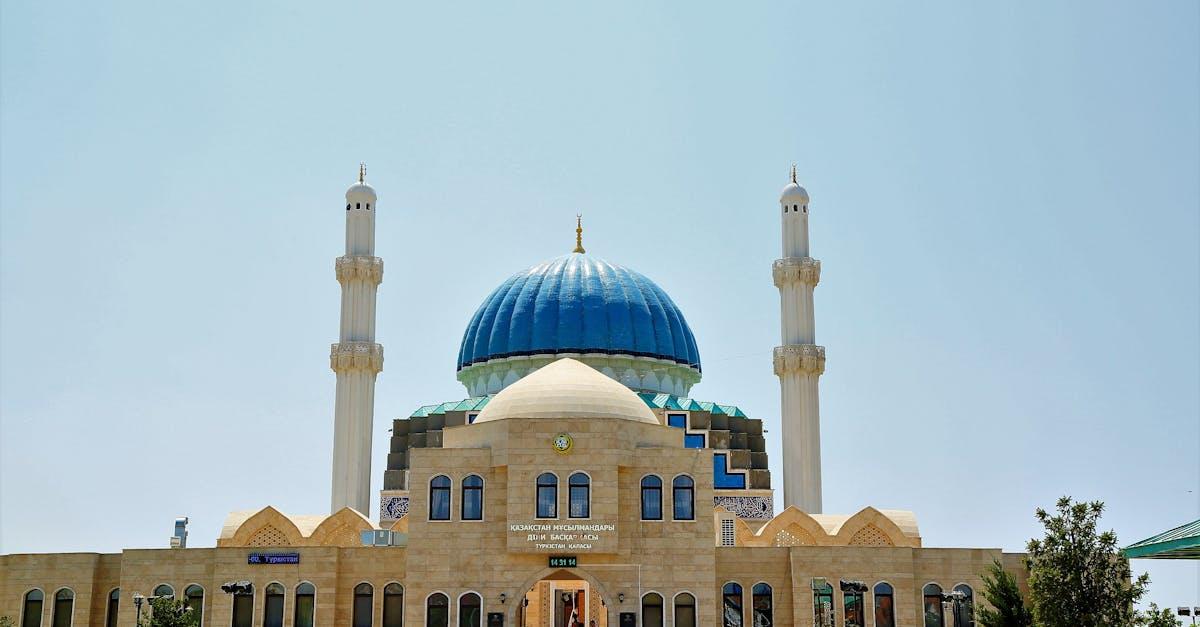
(577, 484)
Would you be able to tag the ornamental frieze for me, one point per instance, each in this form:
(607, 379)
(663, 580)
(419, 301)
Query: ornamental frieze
(805, 270)
(804, 358)
(345, 356)
(361, 267)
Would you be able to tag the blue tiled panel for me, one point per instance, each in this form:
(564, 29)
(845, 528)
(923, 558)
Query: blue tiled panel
(693, 440)
(723, 479)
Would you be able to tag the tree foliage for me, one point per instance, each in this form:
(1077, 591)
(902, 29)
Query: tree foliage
(1155, 617)
(168, 612)
(1007, 605)
(1076, 575)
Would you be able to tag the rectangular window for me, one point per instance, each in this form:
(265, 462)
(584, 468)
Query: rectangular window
(693, 440)
(243, 610)
(547, 502)
(728, 536)
(677, 420)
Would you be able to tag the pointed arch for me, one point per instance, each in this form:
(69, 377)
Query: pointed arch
(344, 529)
(267, 525)
(791, 520)
(873, 525)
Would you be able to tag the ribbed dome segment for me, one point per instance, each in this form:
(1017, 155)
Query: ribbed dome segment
(578, 304)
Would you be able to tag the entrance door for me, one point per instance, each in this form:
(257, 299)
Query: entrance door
(562, 599)
(570, 608)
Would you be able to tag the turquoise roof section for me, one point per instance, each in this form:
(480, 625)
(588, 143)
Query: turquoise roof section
(578, 304)
(668, 402)
(1182, 542)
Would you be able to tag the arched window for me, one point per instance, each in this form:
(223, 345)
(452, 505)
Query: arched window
(64, 605)
(932, 594)
(164, 590)
(273, 606)
(470, 610)
(683, 491)
(964, 606)
(764, 606)
(31, 613)
(243, 608)
(363, 599)
(439, 498)
(885, 605)
(393, 605)
(306, 604)
(472, 498)
(579, 496)
(193, 597)
(437, 610)
(685, 610)
(547, 495)
(823, 605)
(731, 612)
(114, 604)
(652, 499)
(652, 610)
(854, 607)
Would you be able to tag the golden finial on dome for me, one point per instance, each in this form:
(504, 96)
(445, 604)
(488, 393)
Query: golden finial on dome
(579, 234)
(794, 173)
(362, 171)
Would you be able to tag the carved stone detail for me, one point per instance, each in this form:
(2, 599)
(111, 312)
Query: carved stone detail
(805, 358)
(749, 507)
(392, 507)
(360, 267)
(346, 356)
(804, 270)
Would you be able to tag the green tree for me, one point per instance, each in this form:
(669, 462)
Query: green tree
(1155, 617)
(1076, 575)
(1007, 605)
(165, 612)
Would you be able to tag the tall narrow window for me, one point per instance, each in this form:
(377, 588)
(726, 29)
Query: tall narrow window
(193, 597)
(964, 606)
(764, 605)
(685, 610)
(437, 610)
(652, 498)
(273, 606)
(472, 498)
(885, 605)
(243, 608)
(439, 498)
(853, 607)
(470, 608)
(64, 605)
(728, 532)
(731, 613)
(932, 595)
(823, 605)
(114, 605)
(364, 596)
(579, 496)
(31, 613)
(683, 492)
(306, 605)
(393, 605)
(164, 590)
(547, 495)
(652, 610)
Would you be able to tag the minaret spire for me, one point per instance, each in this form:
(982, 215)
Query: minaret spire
(362, 172)
(799, 362)
(356, 358)
(579, 234)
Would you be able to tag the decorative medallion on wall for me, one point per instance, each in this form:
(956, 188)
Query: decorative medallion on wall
(393, 507)
(562, 443)
(751, 507)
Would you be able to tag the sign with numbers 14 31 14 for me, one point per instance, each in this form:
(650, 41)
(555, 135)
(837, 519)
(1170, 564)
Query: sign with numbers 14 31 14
(563, 561)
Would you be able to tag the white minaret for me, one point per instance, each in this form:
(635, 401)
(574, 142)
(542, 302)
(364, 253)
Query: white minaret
(799, 362)
(356, 358)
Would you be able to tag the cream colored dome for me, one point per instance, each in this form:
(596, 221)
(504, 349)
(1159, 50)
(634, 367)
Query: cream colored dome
(567, 389)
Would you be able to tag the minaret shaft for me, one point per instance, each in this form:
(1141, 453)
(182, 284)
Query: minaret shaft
(799, 362)
(356, 358)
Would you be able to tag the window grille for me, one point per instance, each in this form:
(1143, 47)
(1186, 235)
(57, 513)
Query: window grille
(727, 533)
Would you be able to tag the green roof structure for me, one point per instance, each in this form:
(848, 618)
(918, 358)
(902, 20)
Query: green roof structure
(1180, 543)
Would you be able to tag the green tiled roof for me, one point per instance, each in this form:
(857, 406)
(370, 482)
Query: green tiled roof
(1182, 542)
(652, 400)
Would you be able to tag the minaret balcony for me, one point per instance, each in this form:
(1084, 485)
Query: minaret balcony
(789, 270)
(359, 267)
(801, 358)
(350, 356)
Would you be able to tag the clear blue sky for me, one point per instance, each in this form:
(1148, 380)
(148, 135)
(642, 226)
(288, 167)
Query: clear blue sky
(1005, 203)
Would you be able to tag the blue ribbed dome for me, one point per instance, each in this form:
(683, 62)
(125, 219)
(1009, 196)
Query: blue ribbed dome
(578, 304)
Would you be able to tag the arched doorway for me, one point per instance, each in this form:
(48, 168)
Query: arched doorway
(562, 598)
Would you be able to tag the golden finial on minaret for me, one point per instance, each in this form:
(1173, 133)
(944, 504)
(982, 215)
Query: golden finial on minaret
(794, 173)
(362, 172)
(579, 234)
